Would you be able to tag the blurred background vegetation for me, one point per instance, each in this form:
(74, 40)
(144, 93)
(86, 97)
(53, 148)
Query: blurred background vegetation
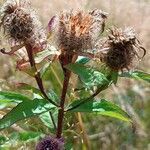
(133, 96)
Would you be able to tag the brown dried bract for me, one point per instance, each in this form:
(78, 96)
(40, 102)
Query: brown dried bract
(21, 24)
(78, 31)
(123, 47)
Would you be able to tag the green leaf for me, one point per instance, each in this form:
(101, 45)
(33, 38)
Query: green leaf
(53, 69)
(111, 75)
(101, 107)
(51, 50)
(28, 70)
(139, 75)
(24, 86)
(46, 119)
(68, 146)
(25, 109)
(8, 97)
(88, 76)
(3, 139)
(44, 68)
(53, 96)
(16, 138)
(82, 60)
(114, 77)
(25, 136)
(54, 75)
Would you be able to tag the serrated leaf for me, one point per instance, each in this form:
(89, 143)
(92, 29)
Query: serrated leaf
(139, 75)
(101, 107)
(88, 76)
(25, 109)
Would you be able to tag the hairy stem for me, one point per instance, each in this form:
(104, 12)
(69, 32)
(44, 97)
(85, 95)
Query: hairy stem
(63, 97)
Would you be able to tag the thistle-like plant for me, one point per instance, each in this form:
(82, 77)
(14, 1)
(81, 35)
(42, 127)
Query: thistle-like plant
(79, 48)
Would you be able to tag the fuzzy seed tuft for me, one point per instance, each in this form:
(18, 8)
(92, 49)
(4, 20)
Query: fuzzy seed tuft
(123, 47)
(21, 24)
(78, 31)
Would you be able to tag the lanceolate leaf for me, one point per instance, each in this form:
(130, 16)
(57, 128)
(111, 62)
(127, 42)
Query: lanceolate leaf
(24, 86)
(114, 77)
(139, 75)
(19, 137)
(25, 136)
(3, 139)
(25, 109)
(54, 74)
(44, 68)
(51, 50)
(46, 119)
(53, 96)
(101, 107)
(7, 97)
(88, 76)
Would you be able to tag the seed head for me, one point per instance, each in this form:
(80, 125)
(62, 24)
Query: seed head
(123, 48)
(78, 31)
(21, 24)
(50, 143)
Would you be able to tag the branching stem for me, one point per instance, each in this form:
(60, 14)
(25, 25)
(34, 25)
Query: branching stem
(87, 99)
(38, 79)
(37, 74)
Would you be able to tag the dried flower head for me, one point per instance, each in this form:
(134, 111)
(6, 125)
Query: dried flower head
(21, 24)
(123, 47)
(78, 31)
(50, 143)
